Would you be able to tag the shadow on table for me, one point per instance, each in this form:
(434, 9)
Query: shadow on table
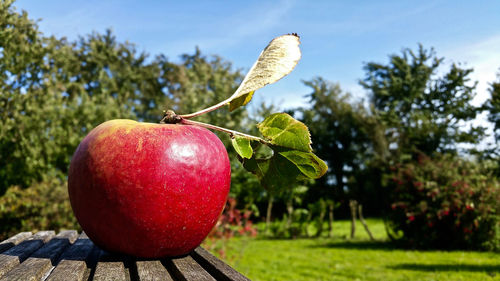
(55, 249)
(489, 269)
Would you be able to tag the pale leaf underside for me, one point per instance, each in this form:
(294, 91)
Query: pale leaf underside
(277, 60)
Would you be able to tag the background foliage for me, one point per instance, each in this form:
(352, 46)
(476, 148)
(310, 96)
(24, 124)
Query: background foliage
(54, 91)
(22, 209)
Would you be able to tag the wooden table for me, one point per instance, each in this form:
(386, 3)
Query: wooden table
(69, 256)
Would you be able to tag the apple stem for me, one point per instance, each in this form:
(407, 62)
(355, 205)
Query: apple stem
(169, 117)
(217, 128)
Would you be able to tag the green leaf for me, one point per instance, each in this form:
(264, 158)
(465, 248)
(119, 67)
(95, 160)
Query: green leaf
(240, 101)
(242, 147)
(284, 131)
(275, 173)
(285, 168)
(308, 163)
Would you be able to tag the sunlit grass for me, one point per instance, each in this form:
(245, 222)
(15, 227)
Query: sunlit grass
(340, 258)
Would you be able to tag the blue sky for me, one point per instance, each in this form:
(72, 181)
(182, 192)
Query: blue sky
(337, 37)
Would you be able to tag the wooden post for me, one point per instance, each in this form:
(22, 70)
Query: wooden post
(331, 205)
(360, 213)
(353, 205)
(268, 213)
(289, 209)
(322, 211)
(309, 217)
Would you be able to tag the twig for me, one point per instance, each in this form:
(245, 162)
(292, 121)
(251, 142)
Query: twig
(228, 131)
(206, 110)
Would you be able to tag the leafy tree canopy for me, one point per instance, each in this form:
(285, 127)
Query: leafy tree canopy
(344, 133)
(493, 106)
(422, 109)
(53, 92)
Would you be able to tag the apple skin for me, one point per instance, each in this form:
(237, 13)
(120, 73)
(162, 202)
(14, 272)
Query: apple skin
(148, 190)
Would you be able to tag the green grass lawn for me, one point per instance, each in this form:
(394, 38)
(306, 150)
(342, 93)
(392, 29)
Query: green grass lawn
(339, 258)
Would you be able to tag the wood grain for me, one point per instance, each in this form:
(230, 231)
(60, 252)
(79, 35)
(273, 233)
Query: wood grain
(16, 255)
(152, 270)
(187, 268)
(44, 256)
(43, 260)
(216, 267)
(110, 268)
(73, 262)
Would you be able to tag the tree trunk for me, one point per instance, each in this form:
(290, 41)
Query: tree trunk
(309, 217)
(360, 213)
(268, 213)
(331, 205)
(353, 204)
(289, 209)
(321, 220)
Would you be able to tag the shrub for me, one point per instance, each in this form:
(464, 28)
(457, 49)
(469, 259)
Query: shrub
(232, 222)
(42, 206)
(445, 203)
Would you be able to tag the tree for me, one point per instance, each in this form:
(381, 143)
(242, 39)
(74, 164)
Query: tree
(55, 91)
(346, 135)
(270, 194)
(493, 107)
(422, 110)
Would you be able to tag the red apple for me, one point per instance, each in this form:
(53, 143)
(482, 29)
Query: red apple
(148, 190)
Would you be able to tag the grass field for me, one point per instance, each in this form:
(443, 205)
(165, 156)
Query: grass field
(339, 258)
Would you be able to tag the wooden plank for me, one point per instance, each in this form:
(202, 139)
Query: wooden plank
(219, 269)
(74, 261)
(42, 261)
(92, 260)
(14, 240)
(34, 257)
(188, 269)
(110, 268)
(16, 255)
(152, 270)
(216, 267)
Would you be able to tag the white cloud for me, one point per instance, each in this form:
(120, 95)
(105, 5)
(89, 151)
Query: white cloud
(484, 57)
